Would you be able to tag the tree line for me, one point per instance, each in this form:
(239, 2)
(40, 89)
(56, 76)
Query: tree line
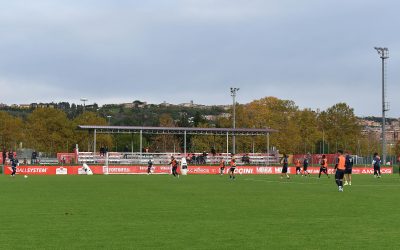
(300, 131)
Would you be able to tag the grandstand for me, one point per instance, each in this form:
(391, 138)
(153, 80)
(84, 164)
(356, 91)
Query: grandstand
(128, 158)
(94, 157)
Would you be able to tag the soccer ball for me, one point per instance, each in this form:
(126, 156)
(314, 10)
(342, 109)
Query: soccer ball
(25, 176)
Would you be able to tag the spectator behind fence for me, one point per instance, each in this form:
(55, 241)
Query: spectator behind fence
(398, 163)
(10, 155)
(34, 157)
(126, 149)
(213, 152)
(246, 159)
(4, 155)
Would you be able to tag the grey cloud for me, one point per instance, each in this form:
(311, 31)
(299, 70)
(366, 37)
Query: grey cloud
(308, 51)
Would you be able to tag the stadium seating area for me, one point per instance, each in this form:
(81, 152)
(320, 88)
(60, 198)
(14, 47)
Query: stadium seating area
(164, 158)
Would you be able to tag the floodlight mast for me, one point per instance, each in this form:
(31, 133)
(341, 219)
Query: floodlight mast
(383, 54)
(233, 94)
(84, 100)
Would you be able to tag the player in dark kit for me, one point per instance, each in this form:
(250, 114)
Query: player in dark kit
(348, 170)
(221, 166)
(376, 163)
(149, 166)
(14, 164)
(232, 169)
(174, 164)
(324, 166)
(285, 163)
(340, 167)
(305, 166)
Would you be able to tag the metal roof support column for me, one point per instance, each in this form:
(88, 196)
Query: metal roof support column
(184, 144)
(132, 145)
(94, 145)
(253, 143)
(267, 149)
(227, 144)
(141, 145)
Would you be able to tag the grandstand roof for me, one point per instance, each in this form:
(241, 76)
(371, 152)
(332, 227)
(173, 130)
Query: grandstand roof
(177, 130)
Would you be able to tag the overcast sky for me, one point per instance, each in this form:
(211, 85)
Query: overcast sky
(314, 52)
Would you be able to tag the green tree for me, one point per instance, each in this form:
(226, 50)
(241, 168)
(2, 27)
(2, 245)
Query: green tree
(11, 131)
(270, 112)
(49, 130)
(340, 127)
(307, 122)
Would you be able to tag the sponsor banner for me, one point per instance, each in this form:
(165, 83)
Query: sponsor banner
(251, 170)
(131, 170)
(35, 170)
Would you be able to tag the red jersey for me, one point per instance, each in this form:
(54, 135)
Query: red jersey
(233, 163)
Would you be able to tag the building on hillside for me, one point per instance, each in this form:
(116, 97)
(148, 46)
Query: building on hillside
(191, 104)
(212, 118)
(129, 105)
(24, 106)
(165, 104)
(225, 115)
(43, 105)
(225, 107)
(187, 105)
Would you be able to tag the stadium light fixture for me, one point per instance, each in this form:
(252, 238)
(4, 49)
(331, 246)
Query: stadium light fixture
(84, 100)
(383, 54)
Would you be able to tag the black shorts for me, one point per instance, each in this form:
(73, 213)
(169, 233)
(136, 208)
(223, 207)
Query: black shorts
(284, 170)
(348, 170)
(323, 170)
(222, 168)
(339, 174)
(305, 168)
(298, 169)
(232, 170)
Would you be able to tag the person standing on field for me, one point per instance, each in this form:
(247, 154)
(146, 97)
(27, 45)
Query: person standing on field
(232, 169)
(305, 166)
(14, 165)
(340, 167)
(149, 166)
(298, 166)
(174, 164)
(324, 166)
(285, 163)
(222, 166)
(376, 163)
(348, 170)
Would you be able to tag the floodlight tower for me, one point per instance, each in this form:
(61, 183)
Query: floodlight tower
(233, 94)
(383, 54)
(84, 100)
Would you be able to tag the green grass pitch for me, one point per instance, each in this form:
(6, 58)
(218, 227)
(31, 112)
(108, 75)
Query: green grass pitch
(198, 212)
